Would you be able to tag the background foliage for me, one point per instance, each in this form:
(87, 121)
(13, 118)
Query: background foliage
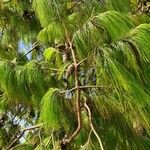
(75, 74)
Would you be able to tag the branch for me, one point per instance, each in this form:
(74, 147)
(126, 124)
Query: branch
(92, 127)
(21, 134)
(78, 107)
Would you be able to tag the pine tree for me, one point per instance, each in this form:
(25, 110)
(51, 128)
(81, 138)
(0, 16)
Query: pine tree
(74, 74)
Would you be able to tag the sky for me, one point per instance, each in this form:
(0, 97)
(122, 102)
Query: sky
(25, 48)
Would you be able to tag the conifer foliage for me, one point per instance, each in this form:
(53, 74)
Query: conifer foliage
(75, 74)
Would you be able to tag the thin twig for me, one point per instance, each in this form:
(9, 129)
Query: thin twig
(21, 116)
(53, 69)
(84, 87)
(41, 142)
(2, 33)
(79, 63)
(21, 134)
(92, 127)
(74, 5)
(32, 49)
(88, 140)
(17, 113)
